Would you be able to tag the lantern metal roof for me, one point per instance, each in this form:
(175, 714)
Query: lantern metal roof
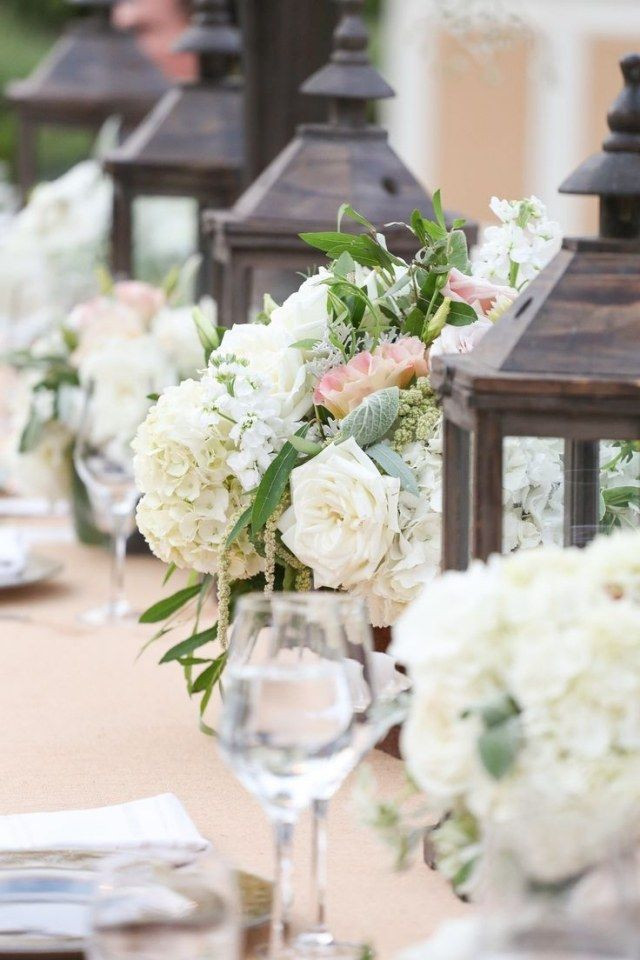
(564, 361)
(347, 159)
(191, 144)
(94, 71)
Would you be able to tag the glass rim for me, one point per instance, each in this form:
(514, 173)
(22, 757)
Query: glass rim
(283, 597)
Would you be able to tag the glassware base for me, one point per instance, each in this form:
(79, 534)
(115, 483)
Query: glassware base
(321, 945)
(121, 612)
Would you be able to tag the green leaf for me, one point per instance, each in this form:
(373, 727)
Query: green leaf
(394, 466)
(273, 484)
(171, 569)
(70, 338)
(437, 209)
(306, 446)
(363, 248)
(30, 437)
(308, 344)
(185, 647)
(243, 521)
(458, 251)
(209, 677)
(417, 224)
(344, 265)
(461, 315)
(164, 608)
(498, 748)
(207, 333)
(105, 280)
(372, 418)
(346, 210)
(154, 397)
(414, 322)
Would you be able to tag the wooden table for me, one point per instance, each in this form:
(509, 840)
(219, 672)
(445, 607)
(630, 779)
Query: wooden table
(84, 724)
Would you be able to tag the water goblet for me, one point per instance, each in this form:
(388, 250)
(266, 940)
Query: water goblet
(103, 460)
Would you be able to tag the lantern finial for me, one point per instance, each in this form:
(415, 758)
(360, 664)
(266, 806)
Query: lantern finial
(213, 36)
(624, 117)
(614, 174)
(349, 79)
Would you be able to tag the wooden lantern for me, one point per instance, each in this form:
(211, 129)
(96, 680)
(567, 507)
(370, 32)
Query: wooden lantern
(563, 362)
(346, 159)
(93, 72)
(191, 144)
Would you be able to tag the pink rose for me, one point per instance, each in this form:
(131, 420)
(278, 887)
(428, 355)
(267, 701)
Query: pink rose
(99, 320)
(140, 297)
(344, 388)
(476, 292)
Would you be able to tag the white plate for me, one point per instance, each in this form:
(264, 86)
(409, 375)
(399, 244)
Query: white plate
(36, 570)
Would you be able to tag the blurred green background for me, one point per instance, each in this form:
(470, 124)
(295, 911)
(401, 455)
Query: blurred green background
(27, 30)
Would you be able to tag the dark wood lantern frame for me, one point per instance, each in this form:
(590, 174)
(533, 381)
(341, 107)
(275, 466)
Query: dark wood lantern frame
(346, 159)
(92, 73)
(192, 143)
(563, 362)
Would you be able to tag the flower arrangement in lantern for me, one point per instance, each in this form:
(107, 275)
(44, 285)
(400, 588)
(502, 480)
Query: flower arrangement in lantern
(309, 452)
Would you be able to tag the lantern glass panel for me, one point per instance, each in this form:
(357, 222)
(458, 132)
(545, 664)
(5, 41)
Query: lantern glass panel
(157, 249)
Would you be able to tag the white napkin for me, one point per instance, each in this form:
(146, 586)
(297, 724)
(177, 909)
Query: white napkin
(13, 553)
(154, 820)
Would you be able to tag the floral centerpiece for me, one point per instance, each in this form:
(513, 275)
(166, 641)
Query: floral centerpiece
(309, 452)
(129, 342)
(524, 717)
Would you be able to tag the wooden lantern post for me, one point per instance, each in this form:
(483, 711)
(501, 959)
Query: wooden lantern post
(563, 362)
(191, 144)
(346, 159)
(93, 72)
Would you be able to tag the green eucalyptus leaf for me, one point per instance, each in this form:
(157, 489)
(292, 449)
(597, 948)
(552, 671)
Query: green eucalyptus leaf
(210, 676)
(273, 484)
(461, 315)
(164, 608)
(498, 748)
(394, 466)
(308, 344)
(372, 418)
(185, 647)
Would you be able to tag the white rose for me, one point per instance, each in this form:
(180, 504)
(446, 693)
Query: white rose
(343, 515)
(176, 332)
(269, 353)
(304, 314)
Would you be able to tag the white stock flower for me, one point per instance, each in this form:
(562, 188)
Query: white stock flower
(526, 239)
(343, 515)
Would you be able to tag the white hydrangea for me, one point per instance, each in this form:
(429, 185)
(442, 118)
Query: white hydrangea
(189, 495)
(526, 240)
(202, 448)
(559, 632)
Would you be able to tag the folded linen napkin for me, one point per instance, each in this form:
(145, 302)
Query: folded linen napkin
(154, 820)
(13, 552)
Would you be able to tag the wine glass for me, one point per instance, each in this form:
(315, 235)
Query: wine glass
(103, 460)
(165, 903)
(312, 622)
(287, 731)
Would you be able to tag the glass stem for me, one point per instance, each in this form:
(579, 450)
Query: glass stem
(320, 809)
(118, 557)
(283, 889)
